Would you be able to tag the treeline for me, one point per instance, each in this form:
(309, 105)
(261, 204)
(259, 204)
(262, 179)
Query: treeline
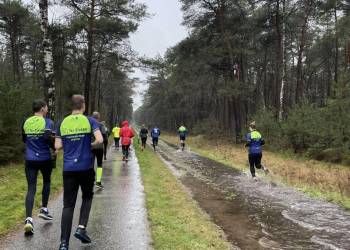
(85, 52)
(282, 63)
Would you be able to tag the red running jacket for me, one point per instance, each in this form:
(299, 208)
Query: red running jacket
(126, 133)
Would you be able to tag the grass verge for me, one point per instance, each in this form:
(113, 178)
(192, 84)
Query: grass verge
(13, 189)
(175, 221)
(330, 182)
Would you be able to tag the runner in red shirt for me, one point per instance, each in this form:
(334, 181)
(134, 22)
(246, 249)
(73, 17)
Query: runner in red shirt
(126, 133)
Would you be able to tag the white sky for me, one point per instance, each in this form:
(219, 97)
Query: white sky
(155, 35)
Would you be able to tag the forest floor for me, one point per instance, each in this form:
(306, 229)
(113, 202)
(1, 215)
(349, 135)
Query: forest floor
(327, 181)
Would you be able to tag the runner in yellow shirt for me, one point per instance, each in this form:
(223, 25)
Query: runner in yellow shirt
(115, 132)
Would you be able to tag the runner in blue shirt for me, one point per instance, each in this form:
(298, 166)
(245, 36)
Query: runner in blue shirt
(254, 143)
(155, 133)
(38, 136)
(75, 136)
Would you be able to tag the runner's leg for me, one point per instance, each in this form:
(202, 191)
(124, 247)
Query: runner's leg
(117, 143)
(46, 171)
(154, 143)
(86, 181)
(258, 161)
(70, 192)
(127, 148)
(105, 148)
(31, 175)
(251, 164)
(124, 150)
(99, 170)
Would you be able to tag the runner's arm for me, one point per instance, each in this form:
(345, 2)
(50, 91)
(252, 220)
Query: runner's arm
(262, 142)
(98, 138)
(248, 141)
(58, 143)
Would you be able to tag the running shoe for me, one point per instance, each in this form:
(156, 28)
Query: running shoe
(266, 170)
(28, 227)
(99, 185)
(45, 215)
(81, 234)
(63, 246)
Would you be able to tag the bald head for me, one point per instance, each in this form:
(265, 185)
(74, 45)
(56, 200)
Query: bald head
(78, 102)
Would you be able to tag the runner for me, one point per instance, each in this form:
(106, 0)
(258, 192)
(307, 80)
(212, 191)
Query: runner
(98, 151)
(115, 132)
(254, 143)
(74, 135)
(182, 133)
(37, 135)
(126, 134)
(105, 134)
(143, 135)
(155, 133)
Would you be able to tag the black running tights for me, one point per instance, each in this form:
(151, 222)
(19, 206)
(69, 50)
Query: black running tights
(31, 171)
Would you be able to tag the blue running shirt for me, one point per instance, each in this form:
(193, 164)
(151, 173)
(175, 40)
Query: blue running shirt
(76, 132)
(36, 130)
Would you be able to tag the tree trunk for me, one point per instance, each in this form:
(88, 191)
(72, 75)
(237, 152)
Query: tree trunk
(99, 90)
(279, 56)
(348, 55)
(284, 63)
(94, 88)
(48, 74)
(336, 56)
(89, 57)
(15, 68)
(300, 81)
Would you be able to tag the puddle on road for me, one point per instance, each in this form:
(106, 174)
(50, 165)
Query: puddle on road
(258, 215)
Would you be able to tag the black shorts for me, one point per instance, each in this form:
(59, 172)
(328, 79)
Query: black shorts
(182, 138)
(143, 140)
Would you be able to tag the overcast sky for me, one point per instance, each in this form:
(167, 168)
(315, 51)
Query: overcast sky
(156, 34)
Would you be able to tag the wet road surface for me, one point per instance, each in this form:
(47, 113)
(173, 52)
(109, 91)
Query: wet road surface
(118, 218)
(258, 215)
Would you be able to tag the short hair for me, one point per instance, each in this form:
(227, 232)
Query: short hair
(96, 115)
(77, 102)
(38, 105)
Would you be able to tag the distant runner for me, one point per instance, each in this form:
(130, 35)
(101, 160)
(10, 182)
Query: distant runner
(98, 149)
(75, 135)
(115, 132)
(126, 135)
(182, 133)
(143, 135)
(37, 132)
(255, 142)
(155, 133)
(105, 135)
